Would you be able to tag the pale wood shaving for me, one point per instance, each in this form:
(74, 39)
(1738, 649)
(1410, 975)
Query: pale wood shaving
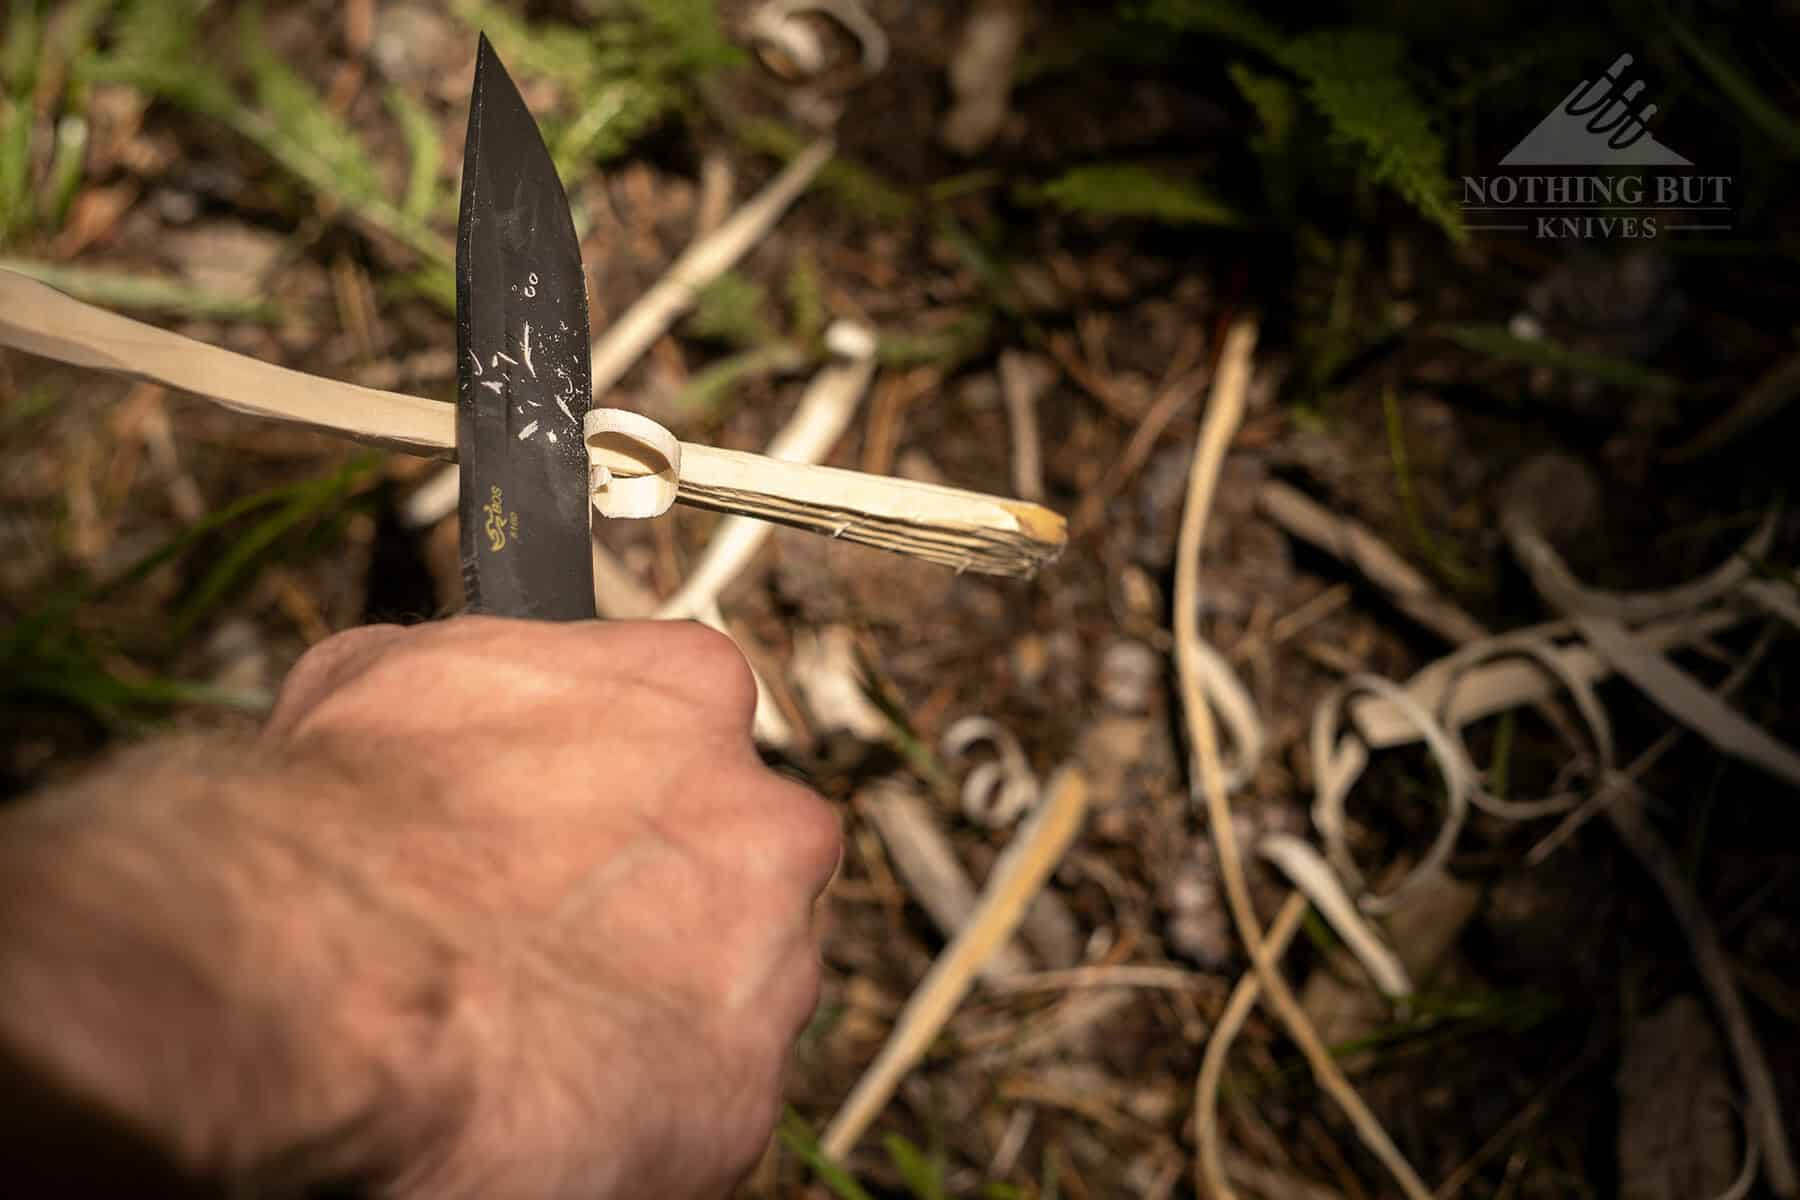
(1314, 879)
(1557, 584)
(1021, 871)
(1684, 698)
(1337, 762)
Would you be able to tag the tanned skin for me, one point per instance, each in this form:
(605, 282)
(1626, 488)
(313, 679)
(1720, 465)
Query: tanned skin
(490, 908)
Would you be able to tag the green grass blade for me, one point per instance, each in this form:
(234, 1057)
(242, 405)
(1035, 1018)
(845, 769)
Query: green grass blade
(424, 157)
(19, 59)
(247, 551)
(923, 1174)
(15, 165)
(732, 309)
(1496, 342)
(1774, 124)
(803, 1144)
(139, 293)
(153, 50)
(705, 395)
(66, 165)
(1442, 559)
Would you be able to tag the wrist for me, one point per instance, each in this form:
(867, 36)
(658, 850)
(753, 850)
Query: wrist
(173, 956)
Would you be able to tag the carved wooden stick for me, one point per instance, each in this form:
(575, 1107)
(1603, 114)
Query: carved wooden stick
(960, 529)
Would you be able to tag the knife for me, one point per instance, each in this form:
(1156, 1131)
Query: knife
(522, 378)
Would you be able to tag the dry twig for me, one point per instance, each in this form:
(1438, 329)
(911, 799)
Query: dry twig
(1222, 417)
(925, 861)
(1023, 869)
(1209, 1169)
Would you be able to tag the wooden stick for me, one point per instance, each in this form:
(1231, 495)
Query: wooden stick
(1216, 430)
(960, 529)
(1023, 868)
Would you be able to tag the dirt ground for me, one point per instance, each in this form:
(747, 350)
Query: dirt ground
(1554, 980)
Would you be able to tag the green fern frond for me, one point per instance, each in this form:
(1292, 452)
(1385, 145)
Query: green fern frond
(1276, 103)
(625, 73)
(1135, 190)
(1354, 79)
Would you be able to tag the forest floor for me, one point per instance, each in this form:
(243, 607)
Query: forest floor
(1387, 385)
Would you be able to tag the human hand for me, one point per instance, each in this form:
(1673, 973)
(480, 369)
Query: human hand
(578, 813)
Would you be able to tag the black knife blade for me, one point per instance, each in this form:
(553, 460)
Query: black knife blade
(523, 381)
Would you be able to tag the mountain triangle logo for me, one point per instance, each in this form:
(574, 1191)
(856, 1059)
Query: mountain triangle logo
(1598, 124)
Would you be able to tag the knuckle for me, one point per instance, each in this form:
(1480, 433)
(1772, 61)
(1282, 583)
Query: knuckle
(707, 665)
(327, 667)
(790, 835)
(818, 836)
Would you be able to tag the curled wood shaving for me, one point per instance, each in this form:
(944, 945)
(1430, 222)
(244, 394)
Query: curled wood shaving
(1684, 698)
(1553, 664)
(1557, 584)
(1776, 598)
(1024, 868)
(999, 792)
(774, 27)
(1498, 686)
(1313, 878)
(1338, 762)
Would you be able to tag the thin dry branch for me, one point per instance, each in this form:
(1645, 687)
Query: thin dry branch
(1021, 871)
(960, 529)
(1351, 542)
(1714, 968)
(1220, 423)
(1209, 1168)
(927, 864)
(699, 265)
